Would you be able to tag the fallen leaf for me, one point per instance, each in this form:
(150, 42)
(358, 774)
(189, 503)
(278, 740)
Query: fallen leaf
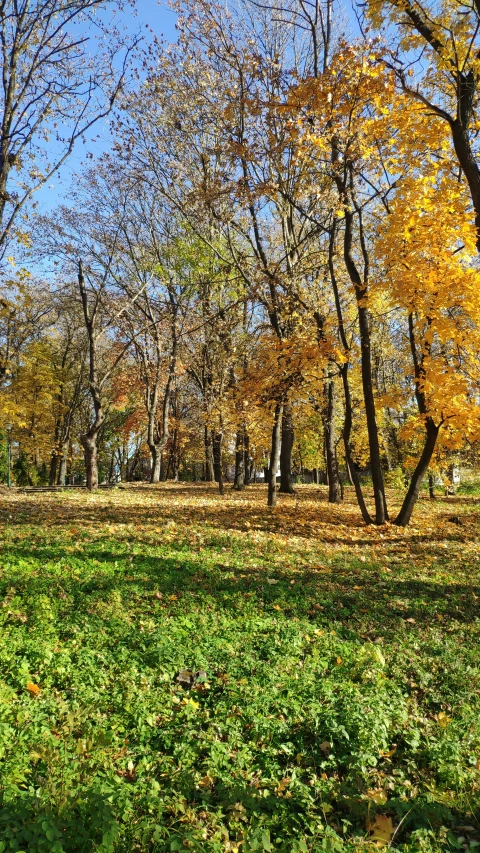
(33, 689)
(378, 796)
(381, 829)
(443, 719)
(284, 783)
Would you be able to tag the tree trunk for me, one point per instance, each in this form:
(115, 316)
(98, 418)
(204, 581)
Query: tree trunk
(174, 456)
(62, 470)
(217, 456)
(89, 444)
(288, 436)
(334, 487)
(209, 468)
(239, 481)
(349, 473)
(413, 492)
(156, 458)
(112, 466)
(275, 455)
(360, 288)
(381, 515)
(431, 487)
(347, 429)
(466, 158)
(52, 477)
(246, 463)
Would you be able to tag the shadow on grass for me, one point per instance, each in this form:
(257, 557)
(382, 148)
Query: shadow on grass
(92, 818)
(358, 595)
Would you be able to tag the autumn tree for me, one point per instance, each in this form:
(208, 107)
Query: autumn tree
(58, 81)
(436, 62)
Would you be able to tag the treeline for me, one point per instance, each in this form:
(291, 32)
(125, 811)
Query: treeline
(278, 256)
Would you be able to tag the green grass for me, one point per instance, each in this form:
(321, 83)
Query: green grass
(343, 675)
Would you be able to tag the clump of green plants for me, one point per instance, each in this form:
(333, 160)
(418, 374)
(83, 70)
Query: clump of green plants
(175, 679)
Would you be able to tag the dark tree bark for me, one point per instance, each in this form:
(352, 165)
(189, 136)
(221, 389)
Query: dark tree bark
(52, 476)
(90, 437)
(239, 481)
(361, 293)
(466, 91)
(275, 455)
(173, 461)
(246, 463)
(334, 486)
(217, 456)
(431, 430)
(288, 437)
(347, 430)
(348, 420)
(431, 487)
(413, 492)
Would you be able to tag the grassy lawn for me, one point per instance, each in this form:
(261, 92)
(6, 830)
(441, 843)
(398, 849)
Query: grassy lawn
(336, 705)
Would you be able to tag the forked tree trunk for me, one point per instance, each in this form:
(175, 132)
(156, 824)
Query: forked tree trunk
(361, 294)
(288, 437)
(275, 455)
(348, 421)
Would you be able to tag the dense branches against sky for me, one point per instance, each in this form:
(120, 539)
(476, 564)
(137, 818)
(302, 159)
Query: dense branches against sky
(273, 260)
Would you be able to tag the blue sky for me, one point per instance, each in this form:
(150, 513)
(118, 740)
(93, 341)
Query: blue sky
(149, 13)
(161, 20)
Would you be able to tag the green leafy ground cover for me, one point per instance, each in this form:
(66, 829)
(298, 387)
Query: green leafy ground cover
(340, 706)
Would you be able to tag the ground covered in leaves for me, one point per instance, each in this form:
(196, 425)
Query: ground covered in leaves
(184, 672)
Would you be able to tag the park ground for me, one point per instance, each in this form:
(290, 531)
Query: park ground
(331, 699)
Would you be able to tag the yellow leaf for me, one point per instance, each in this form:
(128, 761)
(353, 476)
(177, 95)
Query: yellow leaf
(380, 829)
(378, 795)
(33, 689)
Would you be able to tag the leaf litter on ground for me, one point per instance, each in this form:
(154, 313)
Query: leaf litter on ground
(185, 672)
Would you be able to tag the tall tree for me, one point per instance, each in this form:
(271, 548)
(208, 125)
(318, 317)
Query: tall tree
(57, 82)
